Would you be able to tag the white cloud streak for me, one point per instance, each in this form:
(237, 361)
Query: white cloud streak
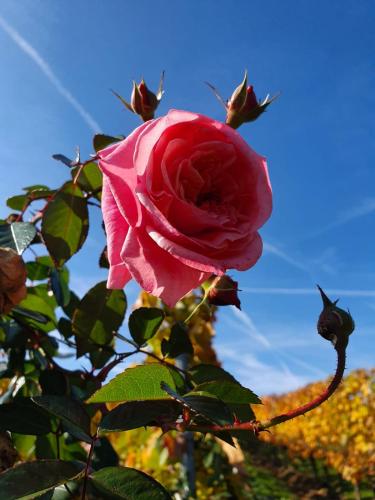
(290, 380)
(309, 291)
(365, 207)
(48, 72)
(273, 250)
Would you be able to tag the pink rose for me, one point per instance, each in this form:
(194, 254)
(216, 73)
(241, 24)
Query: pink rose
(183, 198)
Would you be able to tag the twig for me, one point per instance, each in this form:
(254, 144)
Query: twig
(257, 427)
(88, 463)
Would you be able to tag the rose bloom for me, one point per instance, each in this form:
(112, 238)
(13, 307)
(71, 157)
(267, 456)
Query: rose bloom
(183, 198)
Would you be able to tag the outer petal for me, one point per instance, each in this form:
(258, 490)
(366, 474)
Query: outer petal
(156, 270)
(116, 162)
(116, 229)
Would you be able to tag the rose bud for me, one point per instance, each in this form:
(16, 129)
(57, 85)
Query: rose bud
(243, 106)
(12, 279)
(334, 324)
(143, 102)
(223, 292)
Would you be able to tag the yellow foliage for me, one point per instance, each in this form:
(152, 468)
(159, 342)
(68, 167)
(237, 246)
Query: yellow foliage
(341, 431)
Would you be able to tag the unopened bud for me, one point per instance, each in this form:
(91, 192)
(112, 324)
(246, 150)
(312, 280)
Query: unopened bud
(334, 323)
(12, 279)
(222, 291)
(243, 106)
(143, 102)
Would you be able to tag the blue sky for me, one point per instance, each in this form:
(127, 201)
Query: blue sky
(59, 61)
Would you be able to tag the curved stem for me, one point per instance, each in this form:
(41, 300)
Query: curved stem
(327, 393)
(257, 427)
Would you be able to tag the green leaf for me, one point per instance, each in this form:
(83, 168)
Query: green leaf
(71, 412)
(128, 484)
(229, 392)
(178, 343)
(53, 382)
(203, 405)
(207, 373)
(144, 323)
(101, 141)
(99, 355)
(136, 384)
(65, 327)
(24, 417)
(64, 159)
(59, 285)
(37, 270)
(30, 479)
(70, 308)
(19, 312)
(17, 235)
(17, 202)
(103, 259)
(35, 306)
(90, 177)
(104, 454)
(136, 414)
(65, 223)
(36, 187)
(99, 314)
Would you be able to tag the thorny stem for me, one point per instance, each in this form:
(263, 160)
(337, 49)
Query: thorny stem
(88, 463)
(301, 410)
(257, 427)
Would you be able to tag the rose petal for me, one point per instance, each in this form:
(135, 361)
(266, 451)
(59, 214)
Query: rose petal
(156, 270)
(116, 229)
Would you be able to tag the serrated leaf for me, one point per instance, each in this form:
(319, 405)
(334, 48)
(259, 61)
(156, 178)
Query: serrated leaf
(101, 141)
(17, 202)
(31, 479)
(17, 235)
(128, 484)
(207, 373)
(178, 343)
(36, 187)
(229, 392)
(24, 417)
(136, 414)
(71, 412)
(136, 384)
(65, 223)
(203, 405)
(99, 314)
(144, 322)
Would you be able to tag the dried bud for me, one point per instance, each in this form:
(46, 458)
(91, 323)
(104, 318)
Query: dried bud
(12, 279)
(143, 102)
(243, 106)
(222, 291)
(334, 324)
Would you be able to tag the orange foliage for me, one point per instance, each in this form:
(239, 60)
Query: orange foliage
(340, 432)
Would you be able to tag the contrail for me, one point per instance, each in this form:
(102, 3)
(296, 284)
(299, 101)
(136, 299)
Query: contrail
(309, 291)
(46, 69)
